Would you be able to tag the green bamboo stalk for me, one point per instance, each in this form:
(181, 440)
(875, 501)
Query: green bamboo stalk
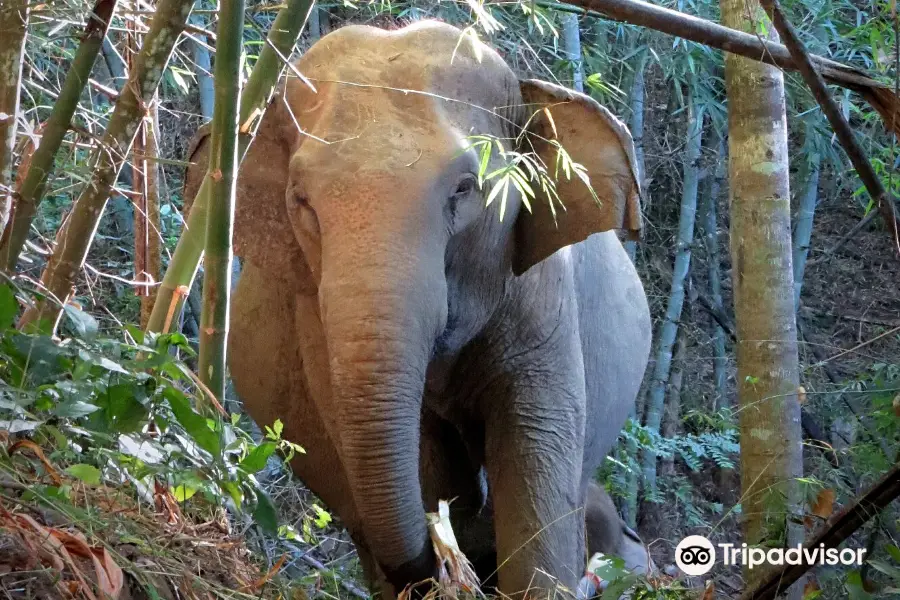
(254, 99)
(35, 182)
(13, 27)
(223, 165)
(75, 237)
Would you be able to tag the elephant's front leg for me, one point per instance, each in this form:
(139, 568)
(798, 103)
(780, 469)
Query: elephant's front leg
(534, 444)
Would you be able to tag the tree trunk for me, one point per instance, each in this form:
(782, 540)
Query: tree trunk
(803, 230)
(223, 170)
(571, 39)
(262, 81)
(767, 361)
(710, 198)
(32, 190)
(75, 237)
(314, 26)
(669, 327)
(13, 27)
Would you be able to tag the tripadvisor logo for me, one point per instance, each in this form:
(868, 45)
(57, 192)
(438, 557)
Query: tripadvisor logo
(695, 555)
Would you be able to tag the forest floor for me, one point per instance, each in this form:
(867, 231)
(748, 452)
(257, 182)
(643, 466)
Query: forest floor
(103, 542)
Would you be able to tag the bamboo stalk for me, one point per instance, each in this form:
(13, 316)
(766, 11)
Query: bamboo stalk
(709, 221)
(13, 28)
(669, 328)
(803, 229)
(32, 190)
(254, 99)
(147, 233)
(75, 237)
(223, 168)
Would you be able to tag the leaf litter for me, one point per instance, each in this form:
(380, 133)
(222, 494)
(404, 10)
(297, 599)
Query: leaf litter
(102, 543)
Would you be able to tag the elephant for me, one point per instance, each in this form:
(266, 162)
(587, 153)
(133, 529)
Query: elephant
(607, 533)
(420, 342)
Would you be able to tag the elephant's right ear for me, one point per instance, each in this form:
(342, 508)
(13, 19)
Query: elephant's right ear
(262, 231)
(592, 137)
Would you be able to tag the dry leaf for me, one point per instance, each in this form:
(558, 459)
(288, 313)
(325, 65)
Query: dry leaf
(811, 586)
(110, 579)
(710, 592)
(801, 395)
(165, 503)
(113, 572)
(51, 471)
(824, 505)
(257, 585)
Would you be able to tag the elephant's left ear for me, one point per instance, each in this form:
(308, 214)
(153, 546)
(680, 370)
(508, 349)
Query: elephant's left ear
(592, 137)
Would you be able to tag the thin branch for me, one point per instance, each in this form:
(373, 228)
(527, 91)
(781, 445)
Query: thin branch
(840, 125)
(838, 528)
(694, 29)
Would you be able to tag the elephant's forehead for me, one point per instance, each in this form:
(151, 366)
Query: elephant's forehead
(389, 100)
(419, 72)
(369, 129)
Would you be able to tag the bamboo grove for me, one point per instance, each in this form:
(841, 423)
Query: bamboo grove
(755, 117)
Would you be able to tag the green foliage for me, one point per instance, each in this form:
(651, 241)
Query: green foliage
(696, 451)
(523, 170)
(620, 580)
(129, 411)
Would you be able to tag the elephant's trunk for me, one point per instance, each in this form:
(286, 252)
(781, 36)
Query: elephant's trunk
(379, 342)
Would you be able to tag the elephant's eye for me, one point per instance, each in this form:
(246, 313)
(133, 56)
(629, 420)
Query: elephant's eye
(464, 188)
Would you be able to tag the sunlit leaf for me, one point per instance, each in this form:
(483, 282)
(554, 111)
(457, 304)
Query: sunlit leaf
(257, 458)
(89, 474)
(183, 492)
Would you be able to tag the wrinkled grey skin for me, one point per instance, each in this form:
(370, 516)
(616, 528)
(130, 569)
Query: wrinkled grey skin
(418, 346)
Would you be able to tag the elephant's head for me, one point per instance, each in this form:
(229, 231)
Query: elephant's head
(368, 184)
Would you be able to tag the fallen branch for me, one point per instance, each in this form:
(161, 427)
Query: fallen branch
(878, 95)
(838, 123)
(837, 529)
